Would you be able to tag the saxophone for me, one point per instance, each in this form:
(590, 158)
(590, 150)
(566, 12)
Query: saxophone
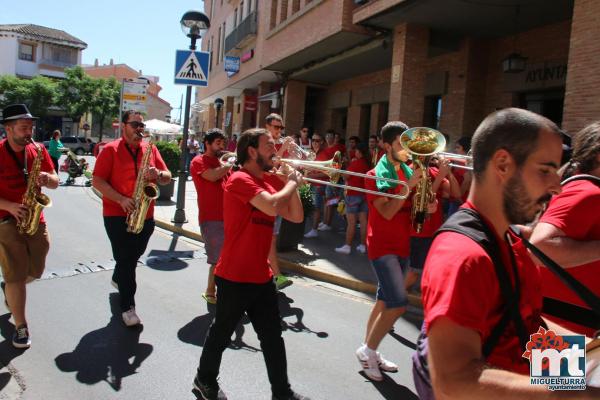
(423, 195)
(143, 193)
(33, 198)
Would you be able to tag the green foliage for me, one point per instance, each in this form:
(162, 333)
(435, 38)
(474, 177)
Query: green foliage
(170, 153)
(75, 92)
(307, 199)
(39, 93)
(105, 101)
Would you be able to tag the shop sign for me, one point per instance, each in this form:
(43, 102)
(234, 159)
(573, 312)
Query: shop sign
(247, 56)
(250, 103)
(232, 65)
(549, 74)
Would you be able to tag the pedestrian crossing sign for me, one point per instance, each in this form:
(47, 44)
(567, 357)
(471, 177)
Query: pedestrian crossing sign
(191, 67)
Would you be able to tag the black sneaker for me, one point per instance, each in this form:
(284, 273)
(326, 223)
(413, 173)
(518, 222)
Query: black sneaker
(21, 338)
(208, 392)
(291, 396)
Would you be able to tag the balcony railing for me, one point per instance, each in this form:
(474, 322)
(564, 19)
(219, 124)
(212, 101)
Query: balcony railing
(242, 33)
(55, 63)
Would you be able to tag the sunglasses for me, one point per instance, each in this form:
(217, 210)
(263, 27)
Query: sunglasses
(277, 126)
(136, 124)
(317, 140)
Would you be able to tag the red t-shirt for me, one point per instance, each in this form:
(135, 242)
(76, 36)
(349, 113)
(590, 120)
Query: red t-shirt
(387, 237)
(351, 155)
(248, 231)
(357, 165)
(12, 181)
(459, 282)
(274, 181)
(115, 165)
(321, 156)
(332, 149)
(435, 220)
(210, 194)
(575, 212)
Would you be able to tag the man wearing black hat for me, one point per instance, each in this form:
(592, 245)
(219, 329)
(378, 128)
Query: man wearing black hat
(22, 257)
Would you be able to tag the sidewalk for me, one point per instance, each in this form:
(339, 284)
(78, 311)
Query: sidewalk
(315, 258)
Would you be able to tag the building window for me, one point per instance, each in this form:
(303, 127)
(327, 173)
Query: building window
(295, 6)
(433, 111)
(218, 47)
(222, 42)
(235, 17)
(242, 11)
(284, 10)
(26, 52)
(273, 21)
(210, 50)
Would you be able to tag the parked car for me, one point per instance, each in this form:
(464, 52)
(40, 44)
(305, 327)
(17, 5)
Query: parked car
(78, 145)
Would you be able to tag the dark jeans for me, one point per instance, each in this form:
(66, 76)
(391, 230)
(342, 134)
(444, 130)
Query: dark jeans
(55, 162)
(259, 302)
(127, 248)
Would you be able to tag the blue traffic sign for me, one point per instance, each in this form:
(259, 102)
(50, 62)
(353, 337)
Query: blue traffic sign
(191, 67)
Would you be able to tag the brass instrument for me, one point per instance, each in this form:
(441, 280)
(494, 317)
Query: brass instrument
(332, 168)
(33, 198)
(468, 159)
(297, 152)
(143, 193)
(422, 143)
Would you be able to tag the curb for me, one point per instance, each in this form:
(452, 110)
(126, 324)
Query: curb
(286, 265)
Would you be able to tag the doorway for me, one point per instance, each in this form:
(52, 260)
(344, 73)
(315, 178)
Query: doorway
(547, 103)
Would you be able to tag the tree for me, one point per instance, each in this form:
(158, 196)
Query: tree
(39, 93)
(105, 101)
(75, 93)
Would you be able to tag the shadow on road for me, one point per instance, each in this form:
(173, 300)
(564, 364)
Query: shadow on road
(194, 332)
(4, 379)
(104, 354)
(7, 351)
(286, 310)
(389, 389)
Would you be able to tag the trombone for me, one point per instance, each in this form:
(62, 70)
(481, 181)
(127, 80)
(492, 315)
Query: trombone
(332, 168)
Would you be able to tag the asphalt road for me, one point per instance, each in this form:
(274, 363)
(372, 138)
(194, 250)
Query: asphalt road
(81, 350)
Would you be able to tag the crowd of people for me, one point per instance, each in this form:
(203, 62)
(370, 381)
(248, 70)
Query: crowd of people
(482, 291)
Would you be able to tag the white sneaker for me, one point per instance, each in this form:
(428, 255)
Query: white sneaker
(324, 227)
(130, 318)
(321, 224)
(361, 248)
(386, 365)
(311, 234)
(369, 363)
(345, 249)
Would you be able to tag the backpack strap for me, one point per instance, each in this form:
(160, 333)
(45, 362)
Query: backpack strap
(469, 223)
(580, 289)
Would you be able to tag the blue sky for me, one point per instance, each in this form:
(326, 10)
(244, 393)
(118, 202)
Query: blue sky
(142, 34)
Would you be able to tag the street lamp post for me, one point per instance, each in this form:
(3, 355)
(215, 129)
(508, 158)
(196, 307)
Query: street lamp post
(193, 24)
(218, 105)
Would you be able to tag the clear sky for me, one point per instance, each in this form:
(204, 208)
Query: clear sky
(142, 34)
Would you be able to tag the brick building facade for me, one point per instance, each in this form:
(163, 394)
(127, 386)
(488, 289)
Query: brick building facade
(353, 65)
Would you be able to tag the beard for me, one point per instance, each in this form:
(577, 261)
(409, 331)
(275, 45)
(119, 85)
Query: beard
(519, 207)
(264, 164)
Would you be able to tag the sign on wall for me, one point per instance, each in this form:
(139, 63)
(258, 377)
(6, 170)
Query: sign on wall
(232, 65)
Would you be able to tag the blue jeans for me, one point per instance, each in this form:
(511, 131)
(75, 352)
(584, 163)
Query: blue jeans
(389, 270)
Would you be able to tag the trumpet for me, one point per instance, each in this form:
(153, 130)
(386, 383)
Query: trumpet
(297, 152)
(468, 159)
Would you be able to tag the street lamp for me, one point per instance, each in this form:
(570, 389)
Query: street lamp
(193, 25)
(218, 105)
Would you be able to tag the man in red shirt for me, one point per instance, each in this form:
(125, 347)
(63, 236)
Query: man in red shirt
(388, 235)
(115, 174)
(569, 232)
(209, 177)
(22, 256)
(244, 279)
(445, 186)
(516, 154)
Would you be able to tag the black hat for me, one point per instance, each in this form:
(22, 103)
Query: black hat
(14, 112)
